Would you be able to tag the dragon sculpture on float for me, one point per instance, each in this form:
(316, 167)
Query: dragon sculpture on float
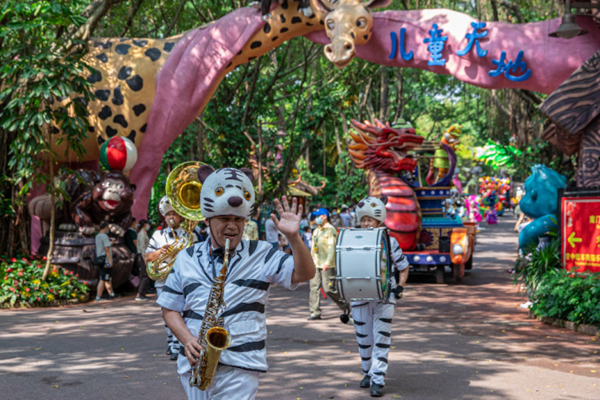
(382, 151)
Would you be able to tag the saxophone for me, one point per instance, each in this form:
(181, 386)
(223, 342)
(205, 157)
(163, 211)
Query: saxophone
(212, 336)
(161, 267)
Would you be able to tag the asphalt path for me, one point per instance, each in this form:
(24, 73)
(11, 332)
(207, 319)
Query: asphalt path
(451, 341)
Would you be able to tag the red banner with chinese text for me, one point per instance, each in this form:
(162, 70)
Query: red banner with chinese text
(580, 233)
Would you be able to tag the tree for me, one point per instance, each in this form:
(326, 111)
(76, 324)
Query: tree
(39, 71)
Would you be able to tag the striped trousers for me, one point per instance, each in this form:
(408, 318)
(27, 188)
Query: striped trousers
(172, 341)
(373, 326)
(229, 383)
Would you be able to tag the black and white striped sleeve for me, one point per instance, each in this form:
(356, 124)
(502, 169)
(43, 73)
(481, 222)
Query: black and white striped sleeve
(172, 297)
(398, 258)
(278, 267)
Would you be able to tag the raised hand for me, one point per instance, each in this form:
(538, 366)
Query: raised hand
(289, 220)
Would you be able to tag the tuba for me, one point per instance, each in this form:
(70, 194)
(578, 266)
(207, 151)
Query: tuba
(183, 190)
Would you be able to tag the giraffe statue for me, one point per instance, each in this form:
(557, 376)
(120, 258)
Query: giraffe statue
(156, 87)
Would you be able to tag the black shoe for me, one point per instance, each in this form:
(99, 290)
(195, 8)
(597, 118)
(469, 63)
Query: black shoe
(174, 356)
(344, 318)
(114, 296)
(168, 352)
(313, 317)
(366, 382)
(398, 292)
(376, 390)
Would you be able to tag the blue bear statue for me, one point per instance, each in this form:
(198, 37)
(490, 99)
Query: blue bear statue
(540, 203)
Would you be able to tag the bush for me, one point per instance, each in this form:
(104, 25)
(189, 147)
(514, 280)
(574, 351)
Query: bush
(569, 296)
(555, 292)
(22, 283)
(531, 269)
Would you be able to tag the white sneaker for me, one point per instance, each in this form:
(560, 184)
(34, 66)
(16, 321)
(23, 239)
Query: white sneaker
(527, 305)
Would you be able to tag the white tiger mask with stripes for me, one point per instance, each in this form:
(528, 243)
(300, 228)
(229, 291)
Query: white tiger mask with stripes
(226, 191)
(372, 207)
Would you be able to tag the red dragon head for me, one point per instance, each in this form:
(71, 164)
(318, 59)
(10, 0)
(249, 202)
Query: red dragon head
(379, 147)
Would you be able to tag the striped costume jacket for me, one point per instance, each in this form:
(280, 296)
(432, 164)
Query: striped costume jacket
(252, 269)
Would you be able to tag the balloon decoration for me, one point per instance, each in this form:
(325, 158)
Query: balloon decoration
(492, 200)
(118, 153)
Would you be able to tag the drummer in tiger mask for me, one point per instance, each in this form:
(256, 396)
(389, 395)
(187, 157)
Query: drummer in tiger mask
(373, 320)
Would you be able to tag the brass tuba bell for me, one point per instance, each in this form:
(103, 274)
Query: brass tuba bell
(183, 190)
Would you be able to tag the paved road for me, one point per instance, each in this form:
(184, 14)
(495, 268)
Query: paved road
(468, 341)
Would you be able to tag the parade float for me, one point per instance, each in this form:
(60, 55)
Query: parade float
(422, 210)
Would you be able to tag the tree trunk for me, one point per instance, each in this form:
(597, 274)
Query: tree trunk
(52, 222)
(384, 96)
(338, 143)
(324, 132)
(259, 161)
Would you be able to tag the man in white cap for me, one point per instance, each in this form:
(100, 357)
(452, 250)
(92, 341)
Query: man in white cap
(227, 200)
(373, 320)
(157, 247)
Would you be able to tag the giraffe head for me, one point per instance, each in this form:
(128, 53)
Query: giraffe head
(347, 23)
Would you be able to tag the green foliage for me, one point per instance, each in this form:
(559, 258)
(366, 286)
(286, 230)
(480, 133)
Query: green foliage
(498, 155)
(351, 188)
(532, 267)
(557, 293)
(568, 296)
(37, 69)
(22, 283)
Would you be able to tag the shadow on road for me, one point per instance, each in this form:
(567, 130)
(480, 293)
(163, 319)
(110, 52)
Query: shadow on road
(451, 341)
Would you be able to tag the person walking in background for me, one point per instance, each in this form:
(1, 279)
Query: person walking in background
(336, 219)
(346, 217)
(142, 245)
(104, 260)
(323, 254)
(305, 232)
(271, 233)
(251, 230)
(130, 237)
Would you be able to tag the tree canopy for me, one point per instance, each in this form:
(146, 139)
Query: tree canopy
(291, 96)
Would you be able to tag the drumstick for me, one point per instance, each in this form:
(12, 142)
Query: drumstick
(323, 293)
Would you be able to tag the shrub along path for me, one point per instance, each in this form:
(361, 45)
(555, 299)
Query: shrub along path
(468, 341)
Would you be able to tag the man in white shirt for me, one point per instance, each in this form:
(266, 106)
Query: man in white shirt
(271, 233)
(159, 243)
(227, 200)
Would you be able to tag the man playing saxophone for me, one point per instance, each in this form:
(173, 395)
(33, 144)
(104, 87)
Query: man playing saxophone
(227, 201)
(157, 248)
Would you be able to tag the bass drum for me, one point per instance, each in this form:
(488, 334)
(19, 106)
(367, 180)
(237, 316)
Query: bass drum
(363, 264)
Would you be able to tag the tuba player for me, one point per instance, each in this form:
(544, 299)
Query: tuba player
(157, 247)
